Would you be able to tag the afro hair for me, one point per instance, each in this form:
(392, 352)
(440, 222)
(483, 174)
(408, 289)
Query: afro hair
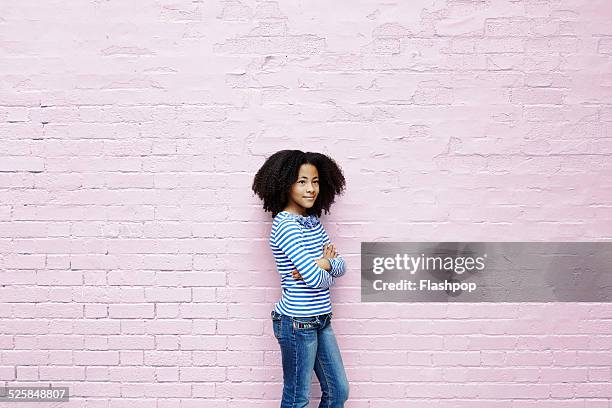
(274, 179)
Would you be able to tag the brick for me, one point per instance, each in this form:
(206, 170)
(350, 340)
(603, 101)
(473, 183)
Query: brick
(131, 311)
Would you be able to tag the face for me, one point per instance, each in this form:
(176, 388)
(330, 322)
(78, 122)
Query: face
(305, 190)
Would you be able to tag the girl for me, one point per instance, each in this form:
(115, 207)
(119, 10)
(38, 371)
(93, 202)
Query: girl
(296, 187)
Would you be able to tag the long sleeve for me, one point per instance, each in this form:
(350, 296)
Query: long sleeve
(338, 267)
(288, 238)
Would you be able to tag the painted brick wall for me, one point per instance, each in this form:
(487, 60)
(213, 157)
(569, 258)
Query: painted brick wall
(134, 257)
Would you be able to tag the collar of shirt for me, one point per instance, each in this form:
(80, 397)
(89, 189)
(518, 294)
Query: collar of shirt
(309, 221)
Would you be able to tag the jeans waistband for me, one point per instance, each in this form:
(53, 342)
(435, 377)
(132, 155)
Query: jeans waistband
(278, 315)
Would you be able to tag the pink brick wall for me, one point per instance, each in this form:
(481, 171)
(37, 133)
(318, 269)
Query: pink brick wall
(129, 135)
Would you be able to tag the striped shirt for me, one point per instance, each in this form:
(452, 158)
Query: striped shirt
(296, 241)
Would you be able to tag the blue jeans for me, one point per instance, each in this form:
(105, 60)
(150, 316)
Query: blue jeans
(309, 343)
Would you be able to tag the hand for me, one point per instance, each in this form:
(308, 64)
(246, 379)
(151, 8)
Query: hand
(323, 263)
(329, 251)
(296, 275)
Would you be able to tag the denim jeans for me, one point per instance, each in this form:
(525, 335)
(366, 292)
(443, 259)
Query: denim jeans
(309, 343)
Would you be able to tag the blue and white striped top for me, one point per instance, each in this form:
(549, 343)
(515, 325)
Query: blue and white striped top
(296, 241)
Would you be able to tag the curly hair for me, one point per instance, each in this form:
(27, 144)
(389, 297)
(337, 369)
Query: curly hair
(273, 181)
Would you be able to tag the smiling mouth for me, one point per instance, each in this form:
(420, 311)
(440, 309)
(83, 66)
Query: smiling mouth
(309, 198)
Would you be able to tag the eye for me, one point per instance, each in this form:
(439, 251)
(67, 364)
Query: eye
(301, 181)
(316, 181)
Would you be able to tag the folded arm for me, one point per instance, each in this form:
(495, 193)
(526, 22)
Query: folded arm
(338, 267)
(288, 238)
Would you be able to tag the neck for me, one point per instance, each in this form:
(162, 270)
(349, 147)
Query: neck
(296, 211)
